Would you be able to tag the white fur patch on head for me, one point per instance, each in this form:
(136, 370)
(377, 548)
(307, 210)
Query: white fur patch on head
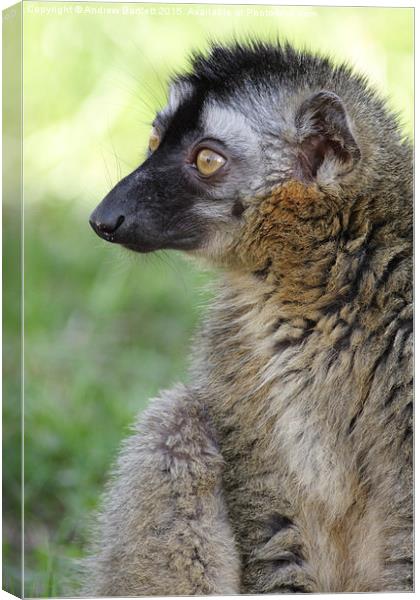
(230, 126)
(179, 91)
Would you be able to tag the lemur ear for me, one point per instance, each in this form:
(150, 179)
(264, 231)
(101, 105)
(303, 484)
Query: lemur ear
(324, 135)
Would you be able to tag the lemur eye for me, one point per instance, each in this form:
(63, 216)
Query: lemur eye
(154, 140)
(208, 161)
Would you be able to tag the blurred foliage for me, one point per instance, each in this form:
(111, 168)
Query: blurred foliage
(104, 330)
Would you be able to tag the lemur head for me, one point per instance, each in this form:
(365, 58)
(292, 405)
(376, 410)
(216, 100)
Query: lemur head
(246, 121)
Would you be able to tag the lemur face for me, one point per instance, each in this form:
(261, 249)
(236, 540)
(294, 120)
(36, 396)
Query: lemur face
(204, 160)
(234, 128)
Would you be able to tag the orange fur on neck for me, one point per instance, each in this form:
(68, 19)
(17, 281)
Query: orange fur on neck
(293, 230)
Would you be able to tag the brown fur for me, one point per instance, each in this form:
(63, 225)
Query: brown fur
(293, 369)
(302, 346)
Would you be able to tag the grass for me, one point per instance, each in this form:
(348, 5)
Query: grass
(104, 331)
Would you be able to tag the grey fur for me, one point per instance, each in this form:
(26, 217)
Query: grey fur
(285, 465)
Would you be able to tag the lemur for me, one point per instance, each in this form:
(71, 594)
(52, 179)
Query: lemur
(285, 464)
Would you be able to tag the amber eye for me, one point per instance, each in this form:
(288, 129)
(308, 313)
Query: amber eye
(154, 140)
(208, 162)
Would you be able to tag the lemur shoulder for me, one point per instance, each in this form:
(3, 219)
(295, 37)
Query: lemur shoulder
(285, 464)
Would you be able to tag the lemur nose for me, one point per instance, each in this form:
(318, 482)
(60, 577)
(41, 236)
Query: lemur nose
(106, 225)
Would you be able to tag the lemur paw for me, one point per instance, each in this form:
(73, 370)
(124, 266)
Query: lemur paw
(279, 565)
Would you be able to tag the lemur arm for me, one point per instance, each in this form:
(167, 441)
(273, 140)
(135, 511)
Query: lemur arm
(164, 529)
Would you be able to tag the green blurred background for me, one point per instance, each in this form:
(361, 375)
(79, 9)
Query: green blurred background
(105, 330)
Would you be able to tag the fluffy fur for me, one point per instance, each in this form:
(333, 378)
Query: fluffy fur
(286, 464)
